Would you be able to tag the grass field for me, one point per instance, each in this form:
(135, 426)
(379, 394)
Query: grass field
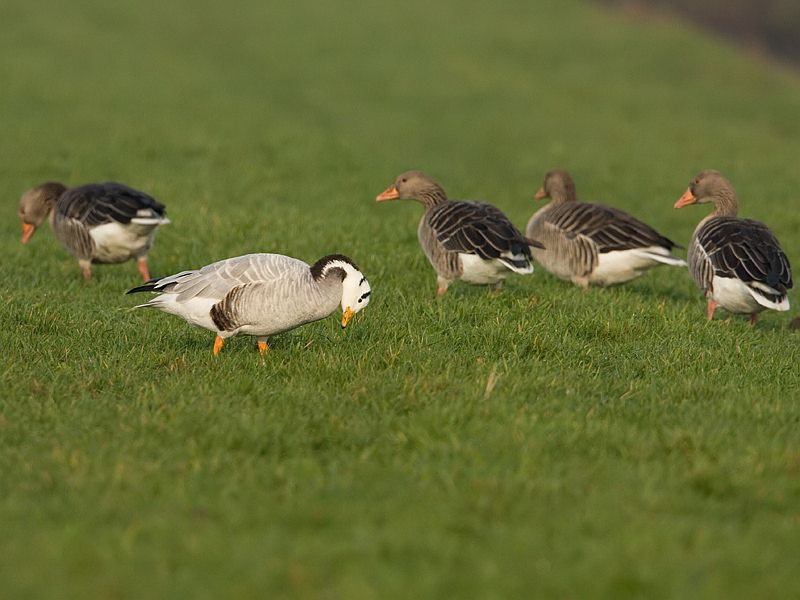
(538, 442)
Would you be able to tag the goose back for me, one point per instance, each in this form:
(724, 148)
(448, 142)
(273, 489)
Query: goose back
(107, 222)
(256, 294)
(743, 249)
(480, 229)
(586, 242)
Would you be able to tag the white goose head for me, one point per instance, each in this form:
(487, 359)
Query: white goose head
(356, 290)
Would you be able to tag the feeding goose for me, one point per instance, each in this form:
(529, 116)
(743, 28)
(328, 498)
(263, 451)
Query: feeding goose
(260, 294)
(737, 262)
(97, 223)
(591, 243)
(470, 241)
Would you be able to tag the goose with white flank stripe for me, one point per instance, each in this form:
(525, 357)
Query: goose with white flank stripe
(591, 243)
(96, 223)
(471, 241)
(738, 263)
(260, 294)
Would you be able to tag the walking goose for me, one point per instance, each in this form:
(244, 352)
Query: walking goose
(470, 241)
(738, 263)
(260, 294)
(97, 223)
(591, 243)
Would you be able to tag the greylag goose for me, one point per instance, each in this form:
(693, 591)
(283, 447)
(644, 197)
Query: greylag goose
(260, 294)
(591, 243)
(470, 241)
(738, 263)
(97, 223)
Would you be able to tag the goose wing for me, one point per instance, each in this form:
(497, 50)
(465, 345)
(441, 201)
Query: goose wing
(99, 203)
(477, 228)
(608, 228)
(217, 279)
(743, 249)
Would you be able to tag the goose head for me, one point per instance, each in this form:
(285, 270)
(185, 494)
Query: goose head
(413, 185)
(36, 205)
(558, 186)
(356, 290)
(710, 186)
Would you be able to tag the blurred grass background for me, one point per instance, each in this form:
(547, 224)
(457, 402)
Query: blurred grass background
(768, 25)
(538, 442)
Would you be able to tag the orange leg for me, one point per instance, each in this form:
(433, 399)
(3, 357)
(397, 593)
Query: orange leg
(141, 264)
(262, 347)
(218, 345)
(712, 306)
(86, 268)
(443, 283)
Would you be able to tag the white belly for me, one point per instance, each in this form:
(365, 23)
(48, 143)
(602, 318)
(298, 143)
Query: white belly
(734, 296)
(115, 242)
(475, 269)
(196, 311)
(737, 297)
(620, 266)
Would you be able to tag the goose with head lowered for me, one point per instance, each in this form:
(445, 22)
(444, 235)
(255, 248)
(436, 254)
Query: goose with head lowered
(260, 294)
(97, 223)
(738, 263)
(593, 244)
(463, 240)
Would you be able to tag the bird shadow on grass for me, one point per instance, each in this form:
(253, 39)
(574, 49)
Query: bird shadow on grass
(661, 289)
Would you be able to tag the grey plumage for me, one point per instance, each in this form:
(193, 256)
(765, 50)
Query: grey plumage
(471, 241)
(97, 223)
(592, 243)
(261, 294)
(738, 263)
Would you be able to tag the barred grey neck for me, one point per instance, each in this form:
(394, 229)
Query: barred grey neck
(725, 204)
(50, 192)
(432, 195)
(560, 187)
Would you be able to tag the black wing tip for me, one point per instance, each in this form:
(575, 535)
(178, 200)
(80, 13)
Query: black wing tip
(147, 286)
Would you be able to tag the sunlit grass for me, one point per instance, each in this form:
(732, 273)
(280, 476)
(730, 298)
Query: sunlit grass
(537, 442)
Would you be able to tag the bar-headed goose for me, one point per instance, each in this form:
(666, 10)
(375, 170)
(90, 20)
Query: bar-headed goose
(260, 294)
(97, 223)
(591, 243)
(470, 241)
(738, 263)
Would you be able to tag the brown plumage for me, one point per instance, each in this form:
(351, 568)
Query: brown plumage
(96, 223)
(592, 243)
(738, 263)
(471, 241)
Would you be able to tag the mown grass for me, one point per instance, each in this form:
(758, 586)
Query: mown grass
(538, 442)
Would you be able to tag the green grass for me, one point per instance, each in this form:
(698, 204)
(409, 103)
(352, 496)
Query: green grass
(538, 442)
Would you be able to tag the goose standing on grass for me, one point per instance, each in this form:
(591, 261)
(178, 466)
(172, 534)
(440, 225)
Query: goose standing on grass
(260, 294)
(591, 243)
(97, 223)
(470, 241)
(738, 263)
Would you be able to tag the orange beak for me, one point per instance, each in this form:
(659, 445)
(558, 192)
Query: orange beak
(687, 199)
(540, 194)
(346, 316)
(389, 193)
(27, 231)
